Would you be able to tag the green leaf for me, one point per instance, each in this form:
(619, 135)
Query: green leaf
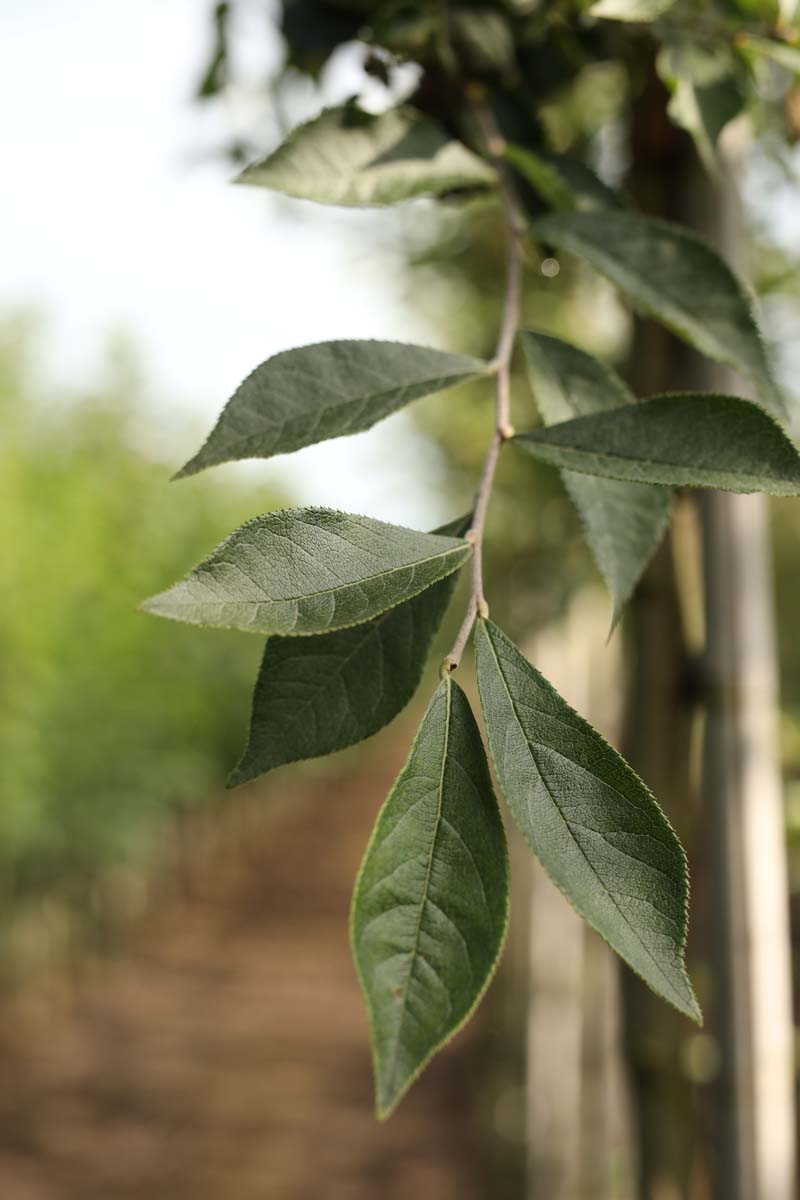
(350, 157)
(563, 183)
(309, 570)
(623, 522)
(325, 391)
(431, 902)
(631, 10)
(704, 112)
(681, 440)
(706, 93)
(588, 818)
(674, 276)
(316, 695)
(543, 178)
(587, 188)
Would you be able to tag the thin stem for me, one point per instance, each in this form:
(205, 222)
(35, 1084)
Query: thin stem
(501, 368)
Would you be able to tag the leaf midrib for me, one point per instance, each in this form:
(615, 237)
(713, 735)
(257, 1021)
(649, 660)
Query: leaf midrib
(647, 462)
(392, 1068)
(355, 583)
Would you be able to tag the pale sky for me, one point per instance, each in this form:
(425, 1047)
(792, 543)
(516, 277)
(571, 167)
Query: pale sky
(113, 215)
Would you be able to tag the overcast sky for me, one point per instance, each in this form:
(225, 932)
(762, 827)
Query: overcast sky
(114, 215)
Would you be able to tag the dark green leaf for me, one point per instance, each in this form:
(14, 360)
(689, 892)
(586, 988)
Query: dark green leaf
(705, 111)
(309, 570)
(543, 178)
(589, 819)
(313, 29)
(623, 522)
(681, 440)
(674, 276)
(588, 189)
(325, 391)
(349, 157)
(316, 695)
(563, 183)
(431, 901)
(706, 92)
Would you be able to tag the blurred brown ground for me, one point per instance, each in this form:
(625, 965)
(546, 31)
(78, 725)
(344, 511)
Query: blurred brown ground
(221, 1050)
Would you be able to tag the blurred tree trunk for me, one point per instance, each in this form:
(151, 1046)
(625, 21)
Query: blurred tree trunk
(659, 706)
(734, 837)
(755, 1125)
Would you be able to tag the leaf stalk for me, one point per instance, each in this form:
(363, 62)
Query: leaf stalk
(500, 367)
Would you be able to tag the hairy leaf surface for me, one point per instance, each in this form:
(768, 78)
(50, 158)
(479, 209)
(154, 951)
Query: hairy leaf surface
(309, 570)
(674, 276)
(316, 695)
(319, 392)
(431, 901)
(350, 157)
(589, 819)
(681, 440)
(623, 522)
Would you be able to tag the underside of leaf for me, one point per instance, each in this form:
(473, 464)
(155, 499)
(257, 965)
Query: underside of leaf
(307, 571)
(350, 157)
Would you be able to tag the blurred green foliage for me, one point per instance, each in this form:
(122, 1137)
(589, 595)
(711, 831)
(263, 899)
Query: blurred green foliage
(109, 720)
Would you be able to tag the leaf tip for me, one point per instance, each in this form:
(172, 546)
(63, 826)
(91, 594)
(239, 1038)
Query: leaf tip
(616, 616)
(692, 1008)
(246, 770)
(189, 468)
(244, 176)
(385, 1105)
(155, 606)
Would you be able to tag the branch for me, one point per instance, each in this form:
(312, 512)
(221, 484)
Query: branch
(501, 368)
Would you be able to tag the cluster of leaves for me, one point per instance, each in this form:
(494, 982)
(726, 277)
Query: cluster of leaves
(716, 60)
(350, 605)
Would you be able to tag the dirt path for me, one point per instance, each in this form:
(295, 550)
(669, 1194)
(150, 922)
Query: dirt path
(222, 1053)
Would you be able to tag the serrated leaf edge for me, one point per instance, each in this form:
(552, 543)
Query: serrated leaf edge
(674, 320)
(147, 605)
(479, 368)
(383, 1112)
(530, 437)
(234, 780)
(485, 182)
(695, 1014)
